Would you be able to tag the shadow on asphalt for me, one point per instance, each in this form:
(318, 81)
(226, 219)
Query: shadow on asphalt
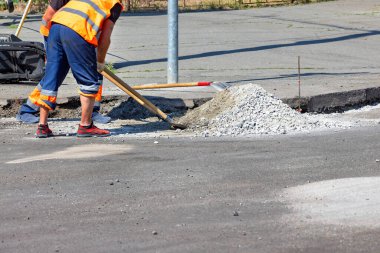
(302, 75)
(16, 20)
(312, 23)
(251, 49)
(19, 83)
(164, 13)
(144, 127)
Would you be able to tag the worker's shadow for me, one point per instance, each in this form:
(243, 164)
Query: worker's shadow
(15, 20)
(141, 128)
(138, 126)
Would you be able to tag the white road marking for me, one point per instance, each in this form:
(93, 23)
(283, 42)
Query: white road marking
(79, 152)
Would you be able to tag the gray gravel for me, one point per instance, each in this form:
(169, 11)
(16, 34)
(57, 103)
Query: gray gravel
(244, 110)
(257, 112)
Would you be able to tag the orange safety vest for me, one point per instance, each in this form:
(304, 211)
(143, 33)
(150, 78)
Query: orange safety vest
(85, 17)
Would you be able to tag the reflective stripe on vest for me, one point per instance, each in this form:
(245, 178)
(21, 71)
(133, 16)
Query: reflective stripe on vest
(83, 15)
(93, 5)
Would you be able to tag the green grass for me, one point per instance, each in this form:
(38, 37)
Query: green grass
(110, 66)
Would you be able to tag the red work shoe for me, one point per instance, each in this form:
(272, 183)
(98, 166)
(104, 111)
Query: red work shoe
(92, 131)
(43, 131)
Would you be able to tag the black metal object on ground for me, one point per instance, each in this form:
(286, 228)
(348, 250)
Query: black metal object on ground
(21, 60)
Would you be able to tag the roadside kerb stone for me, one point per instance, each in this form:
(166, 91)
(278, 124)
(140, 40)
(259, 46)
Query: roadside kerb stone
(325, 103)
(373, 94)
(337, 101)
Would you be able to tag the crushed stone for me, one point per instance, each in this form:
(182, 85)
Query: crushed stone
(246, 110)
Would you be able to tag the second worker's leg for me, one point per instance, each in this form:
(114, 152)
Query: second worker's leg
(96, 115)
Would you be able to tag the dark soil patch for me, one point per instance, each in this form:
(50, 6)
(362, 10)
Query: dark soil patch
(117, 107)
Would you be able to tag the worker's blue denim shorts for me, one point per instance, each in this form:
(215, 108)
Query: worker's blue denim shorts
(66, 49)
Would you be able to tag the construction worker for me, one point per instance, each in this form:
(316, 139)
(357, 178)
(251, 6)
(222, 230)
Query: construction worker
(28, 112)
(76, 31)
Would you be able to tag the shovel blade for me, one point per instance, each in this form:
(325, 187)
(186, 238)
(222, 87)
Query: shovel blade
(219, 86)
(176, 126)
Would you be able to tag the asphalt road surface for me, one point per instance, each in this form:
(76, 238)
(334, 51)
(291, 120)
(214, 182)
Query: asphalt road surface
(303, 193)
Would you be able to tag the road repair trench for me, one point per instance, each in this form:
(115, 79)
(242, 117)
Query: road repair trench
(241, 110)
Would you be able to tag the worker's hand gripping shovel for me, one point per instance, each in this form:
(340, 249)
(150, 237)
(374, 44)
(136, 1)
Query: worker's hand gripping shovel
(140, 99)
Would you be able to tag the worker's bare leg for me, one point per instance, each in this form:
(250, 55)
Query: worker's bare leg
(43, 130)
(87, 108)
(44, 114)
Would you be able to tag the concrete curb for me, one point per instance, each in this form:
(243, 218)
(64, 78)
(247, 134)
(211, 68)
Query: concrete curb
(337, 101)
(325, 103)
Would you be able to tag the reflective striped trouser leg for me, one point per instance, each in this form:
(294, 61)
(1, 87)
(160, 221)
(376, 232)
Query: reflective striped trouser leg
(30, 105)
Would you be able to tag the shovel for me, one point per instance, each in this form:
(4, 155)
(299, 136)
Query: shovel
(27, 8)
(219, 86)
(140, 99)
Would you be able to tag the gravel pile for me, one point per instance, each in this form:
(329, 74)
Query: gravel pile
(243, 110)
(250, 110)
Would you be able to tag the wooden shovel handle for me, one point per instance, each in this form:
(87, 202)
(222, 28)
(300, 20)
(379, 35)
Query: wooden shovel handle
(170, 85)
(26, 11)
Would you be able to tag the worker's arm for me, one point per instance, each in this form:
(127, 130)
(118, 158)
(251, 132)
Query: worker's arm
(45, 22)
(105, 36)
(57, 4)
(50, 11)
(53, 7)
(104, 40)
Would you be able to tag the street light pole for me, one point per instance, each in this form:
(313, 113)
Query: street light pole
(172, 41)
